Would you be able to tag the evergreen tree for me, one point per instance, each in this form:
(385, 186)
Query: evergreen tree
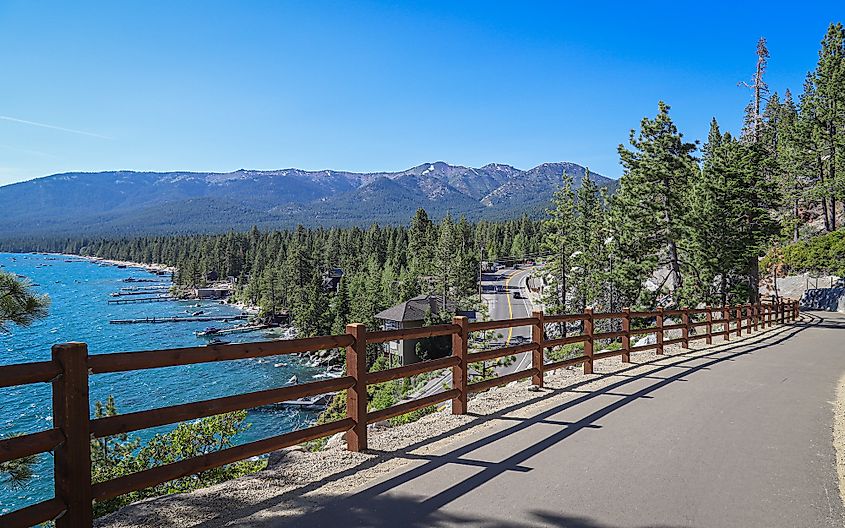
(825, 102)
(651, 206)
(717, 232)
(18, 303)
(589, 256)
(559, 244)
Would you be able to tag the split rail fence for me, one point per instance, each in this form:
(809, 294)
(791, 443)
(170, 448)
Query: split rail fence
(73, 428)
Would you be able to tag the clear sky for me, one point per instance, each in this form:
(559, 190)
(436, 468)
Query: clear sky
(374, 85)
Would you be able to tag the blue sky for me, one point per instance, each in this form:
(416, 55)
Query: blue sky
(374, 85)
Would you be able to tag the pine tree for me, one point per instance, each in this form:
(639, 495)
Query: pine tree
(19, 304)
(444, 258)
(760, 182)
(651, 205)
(558, 243)
(827, 101)
(589, 257)
(717, 233)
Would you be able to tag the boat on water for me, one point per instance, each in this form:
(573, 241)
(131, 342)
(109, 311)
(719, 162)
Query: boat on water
(217, 341)
(209, 331)
(308, 403)
(335, 372)
(293, 380)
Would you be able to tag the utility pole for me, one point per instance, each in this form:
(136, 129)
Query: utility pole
(480, 270)
(273, 296)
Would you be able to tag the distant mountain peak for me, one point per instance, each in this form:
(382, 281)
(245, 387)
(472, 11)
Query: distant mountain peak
(134, 202)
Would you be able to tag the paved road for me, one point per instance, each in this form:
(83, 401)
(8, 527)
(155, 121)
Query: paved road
(739, 437)
(503, 305)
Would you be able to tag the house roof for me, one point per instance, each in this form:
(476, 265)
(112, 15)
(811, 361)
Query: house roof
(415, 309)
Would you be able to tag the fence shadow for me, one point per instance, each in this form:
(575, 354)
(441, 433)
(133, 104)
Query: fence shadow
(373, 506)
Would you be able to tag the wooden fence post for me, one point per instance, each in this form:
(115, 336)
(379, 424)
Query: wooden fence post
(356, 396)
(658, 322)
(588, 344)
(538, 331)
(626, 338)
(460, 373)
(709, 338)
(796, 310)
(739, 321)
(726, 324)
(757, 316)
(685, 329)
(71, 414)
(749, 322)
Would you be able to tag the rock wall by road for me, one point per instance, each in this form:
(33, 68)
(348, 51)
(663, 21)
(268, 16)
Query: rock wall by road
(827, 299)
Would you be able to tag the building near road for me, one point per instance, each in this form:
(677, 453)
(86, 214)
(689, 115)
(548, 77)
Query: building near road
(535, 284)
(212, 293)
(411, 314)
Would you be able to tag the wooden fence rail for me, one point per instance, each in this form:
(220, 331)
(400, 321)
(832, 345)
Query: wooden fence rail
(73, 428)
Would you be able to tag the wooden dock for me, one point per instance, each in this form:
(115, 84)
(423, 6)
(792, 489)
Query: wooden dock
(159, 320)
(162, 298)
(142, 292)
(152, 289)
(235, 330)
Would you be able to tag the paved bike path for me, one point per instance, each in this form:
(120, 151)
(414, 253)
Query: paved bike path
(739, 436)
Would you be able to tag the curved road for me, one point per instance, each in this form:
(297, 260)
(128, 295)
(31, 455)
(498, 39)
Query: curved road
(504, 306)
(736, 436)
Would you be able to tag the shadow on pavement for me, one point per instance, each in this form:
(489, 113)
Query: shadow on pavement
(376, 506)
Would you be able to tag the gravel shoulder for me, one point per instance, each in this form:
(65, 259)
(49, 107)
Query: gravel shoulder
(298, 482)
(839, 436)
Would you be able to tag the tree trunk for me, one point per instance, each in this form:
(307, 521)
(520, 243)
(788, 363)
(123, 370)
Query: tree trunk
(675, 267)
(753, 279)
(824, 196)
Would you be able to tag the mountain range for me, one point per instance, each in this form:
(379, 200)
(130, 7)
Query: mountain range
(132, 203)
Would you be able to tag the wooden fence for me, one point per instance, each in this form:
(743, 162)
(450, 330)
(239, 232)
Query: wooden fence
(73, 428)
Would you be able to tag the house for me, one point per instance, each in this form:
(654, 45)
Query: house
(331, 279)
(410, 314)
(212, 293)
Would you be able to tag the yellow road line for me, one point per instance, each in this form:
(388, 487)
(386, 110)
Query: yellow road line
(510, 306)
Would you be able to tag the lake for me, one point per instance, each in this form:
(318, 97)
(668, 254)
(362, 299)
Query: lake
(79, 291)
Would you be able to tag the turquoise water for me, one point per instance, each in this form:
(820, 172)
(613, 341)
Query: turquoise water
(79, 311)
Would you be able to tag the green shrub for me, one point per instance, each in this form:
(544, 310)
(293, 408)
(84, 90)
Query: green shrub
(820, 254)
(119, 455)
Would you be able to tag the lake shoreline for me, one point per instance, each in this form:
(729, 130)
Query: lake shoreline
(248, 309)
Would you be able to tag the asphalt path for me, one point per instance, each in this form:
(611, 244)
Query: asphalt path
(737, 436)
